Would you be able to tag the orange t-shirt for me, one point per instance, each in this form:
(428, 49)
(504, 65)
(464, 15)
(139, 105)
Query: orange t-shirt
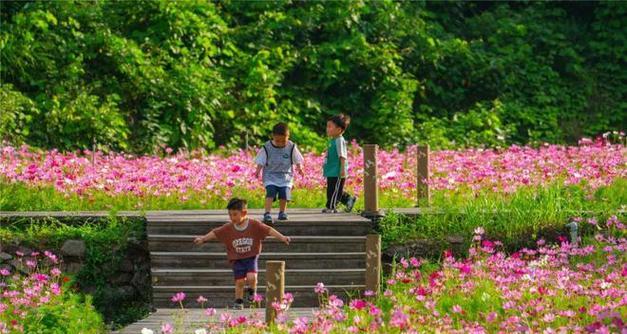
(245, 243)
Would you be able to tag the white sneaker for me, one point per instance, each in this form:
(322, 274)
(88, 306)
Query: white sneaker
(329, 210)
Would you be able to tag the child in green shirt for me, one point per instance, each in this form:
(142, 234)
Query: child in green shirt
(335, 167)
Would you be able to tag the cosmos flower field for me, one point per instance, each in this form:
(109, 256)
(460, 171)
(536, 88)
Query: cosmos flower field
(555, 286)
(191, 180)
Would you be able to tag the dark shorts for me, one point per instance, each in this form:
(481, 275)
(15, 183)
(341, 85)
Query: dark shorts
(244, 266)
(275, 192)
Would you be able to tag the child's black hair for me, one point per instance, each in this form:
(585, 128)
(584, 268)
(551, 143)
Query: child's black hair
(342, 121)
(238, 204)
(280, 129)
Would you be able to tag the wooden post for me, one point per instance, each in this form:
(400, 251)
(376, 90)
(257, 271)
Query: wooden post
(424, 195)
(246, 139)
(371, 186)
(373, 262)
(275, 286)
(93, 152)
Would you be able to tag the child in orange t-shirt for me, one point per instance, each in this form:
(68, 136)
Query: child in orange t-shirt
(242, 237)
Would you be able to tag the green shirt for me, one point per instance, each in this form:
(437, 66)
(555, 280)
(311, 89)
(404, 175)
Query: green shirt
(336, 150)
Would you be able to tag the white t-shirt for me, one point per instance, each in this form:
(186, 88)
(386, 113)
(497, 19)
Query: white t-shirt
(261, 157)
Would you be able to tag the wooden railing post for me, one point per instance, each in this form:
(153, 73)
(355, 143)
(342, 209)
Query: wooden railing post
(275, 286)
(373, 263)
(424, 195)
(371, 185)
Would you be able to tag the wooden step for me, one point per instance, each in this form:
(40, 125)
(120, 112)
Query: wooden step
(295, 216)
(292, 227)
(217, 260)
(223, 296)
(251, 212)
(300, 244)
(211, 277)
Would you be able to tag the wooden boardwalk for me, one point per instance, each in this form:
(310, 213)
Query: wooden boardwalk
(328, 248)
(195, 318)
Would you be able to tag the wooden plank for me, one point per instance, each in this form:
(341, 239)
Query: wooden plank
(373, 263)
(371, 185)
(198, 317)
(229, 271)
(266, 254)
(308, 217)
(230, 288)
(275, 287)
(302, 244)
(298, 238)
(296, 260)
(422, 175)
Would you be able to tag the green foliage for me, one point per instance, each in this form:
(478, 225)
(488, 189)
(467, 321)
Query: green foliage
(17, 115)
(70, 314)
(106, 242)
(138, 75)
(517, 220)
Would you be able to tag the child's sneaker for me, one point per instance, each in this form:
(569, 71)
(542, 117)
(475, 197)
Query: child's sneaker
(238, 304)
(351, 203)
(327, 210)
(282, 215)
(267, 218)
(250, 295)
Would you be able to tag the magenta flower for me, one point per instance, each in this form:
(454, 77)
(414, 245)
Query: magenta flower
(404, 263)
(41, 277)
(178, 297)
(320, 289)
(357, 304)
(167, 328)
(288, 297)
(257, 298)
(399, 319)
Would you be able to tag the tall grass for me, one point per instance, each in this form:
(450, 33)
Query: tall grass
(22, 197)
(516, 219)
(548, 199)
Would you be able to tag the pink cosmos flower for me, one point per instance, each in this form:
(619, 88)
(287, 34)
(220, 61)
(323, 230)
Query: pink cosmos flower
(320, 289)
(167, 328)
(357, 304)
(257, 298)
(399, 319)
(178, 297)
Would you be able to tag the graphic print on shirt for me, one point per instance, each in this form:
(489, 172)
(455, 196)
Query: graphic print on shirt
(243, 245)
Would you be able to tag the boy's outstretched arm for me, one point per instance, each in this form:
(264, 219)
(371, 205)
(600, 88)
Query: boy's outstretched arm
(299, 168)
(278, 235)
(257, 171)
(204, 238)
